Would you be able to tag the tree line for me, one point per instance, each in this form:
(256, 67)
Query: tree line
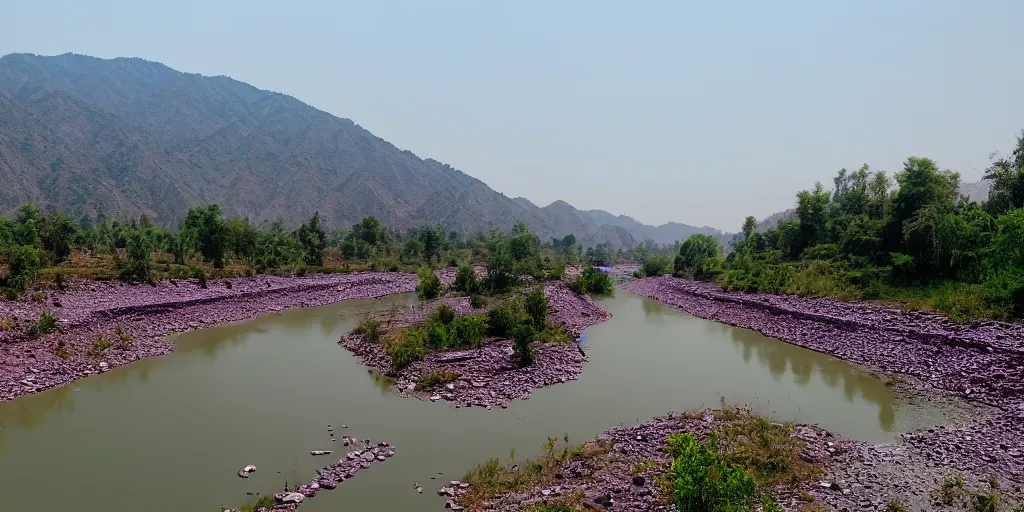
(206, 241)
(909, 238)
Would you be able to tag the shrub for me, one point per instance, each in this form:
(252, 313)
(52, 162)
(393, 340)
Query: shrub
(536, 306)
(369, 328)
(406, 347)
(444, 314)
(437, 335)
(263, 502)
(557, 271)
(766, 449)
(638, 273)
(656, 266)
(200, 275)
(124, 339)
(137, 267)
(467, 330)
(522, 335)
(61, 350)
(429, 286)
(435, 378)
(555, 334)
(895, 506)
(47, 323)
(478, 301)
(22, 268)
(505, 317)
(594, 282)
(700, 479)
(466, 280)
(100, 346)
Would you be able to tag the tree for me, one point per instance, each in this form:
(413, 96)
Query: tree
(749, 224)
(429, 286)
(536, 305)
(694, 251)
(313, 239)
(207, 229)
(811, 211)
(22, 268)
(433, 240)
(1007, 175)
(56, 231)
(137, 249)
(466, 280)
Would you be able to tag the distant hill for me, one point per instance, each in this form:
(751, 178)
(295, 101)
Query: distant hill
(126, 137)
(663, 234)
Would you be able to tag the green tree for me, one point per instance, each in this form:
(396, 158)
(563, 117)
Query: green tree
(22, 267)
(56, 232)
(1007, 175)
(811, 211)
(433, 239)
(694, 251)
(313, 239)
(536, 305)
(207, 227)
(137, 249)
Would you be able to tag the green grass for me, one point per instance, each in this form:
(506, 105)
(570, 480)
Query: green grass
(493, 478)
(263, 502)
(435, 378)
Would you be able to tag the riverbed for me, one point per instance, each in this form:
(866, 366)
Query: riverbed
(170, 433)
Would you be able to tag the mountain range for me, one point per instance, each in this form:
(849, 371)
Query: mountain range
(126, 137)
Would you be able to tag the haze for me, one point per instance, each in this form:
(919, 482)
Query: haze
(698, 113)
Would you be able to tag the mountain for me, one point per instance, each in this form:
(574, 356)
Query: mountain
(663, 234)
(124, 137)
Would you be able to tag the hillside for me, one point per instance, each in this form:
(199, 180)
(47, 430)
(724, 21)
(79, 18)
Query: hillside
(126, 137)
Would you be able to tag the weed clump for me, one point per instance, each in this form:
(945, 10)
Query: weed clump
(429, 286)
(47, 323)
(369, 328)
(701, 479)
(100, 346)
(435, 378)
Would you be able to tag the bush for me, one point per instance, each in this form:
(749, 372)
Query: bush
(369, 328)
(557, 271)
(478, 301)
(444, 314)
(638, 273)
(536, 306)
(406, 347)
(200, 275)
(22, 268)
(429, 286)
(656, 266)
(522, 335)
(437, 335)
(594, 282)
(467, 330)
(700, 479)
(137, 267)
(504, 318)
(47, 323)
(466, 280)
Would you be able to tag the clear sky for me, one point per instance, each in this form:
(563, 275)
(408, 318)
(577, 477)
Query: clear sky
(699, 112)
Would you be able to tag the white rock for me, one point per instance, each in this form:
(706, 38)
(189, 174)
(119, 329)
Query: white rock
(292, 497)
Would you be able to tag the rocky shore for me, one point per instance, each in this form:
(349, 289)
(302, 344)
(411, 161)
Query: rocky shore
(624, 469)
(103, 325)
(981, 362)
(489, 376)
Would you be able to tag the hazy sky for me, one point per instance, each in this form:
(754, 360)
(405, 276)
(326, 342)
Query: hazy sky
(700, 112)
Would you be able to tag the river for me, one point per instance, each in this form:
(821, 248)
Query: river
(169, 433)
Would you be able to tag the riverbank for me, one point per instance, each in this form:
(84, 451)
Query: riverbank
(626, 468)
(103, 325)
(982, 362)
(488, 376)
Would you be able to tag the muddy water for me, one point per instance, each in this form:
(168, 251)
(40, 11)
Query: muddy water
(169, 434)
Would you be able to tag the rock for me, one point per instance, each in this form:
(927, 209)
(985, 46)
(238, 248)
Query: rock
(290, 498)
(639, 481)
(320, 452)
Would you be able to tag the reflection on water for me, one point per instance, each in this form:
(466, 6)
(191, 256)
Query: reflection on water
(263, 392)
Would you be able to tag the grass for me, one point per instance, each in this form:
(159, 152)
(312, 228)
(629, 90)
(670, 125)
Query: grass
(6, 323)
(895, 506)
(47, 323)
(100, 346)
(60, 349)
(435, 378)
(493, 478)
(369, 328)
(554, 334)
(893, 381)
(124, 340)
(767, 450)
(263, 502)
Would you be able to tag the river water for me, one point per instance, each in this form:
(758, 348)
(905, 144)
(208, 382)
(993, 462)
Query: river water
(169, 433)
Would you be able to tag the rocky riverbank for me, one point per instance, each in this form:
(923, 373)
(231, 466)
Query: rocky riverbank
(981, 362)
(489, 376)
(625, 469)
(103, 325)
